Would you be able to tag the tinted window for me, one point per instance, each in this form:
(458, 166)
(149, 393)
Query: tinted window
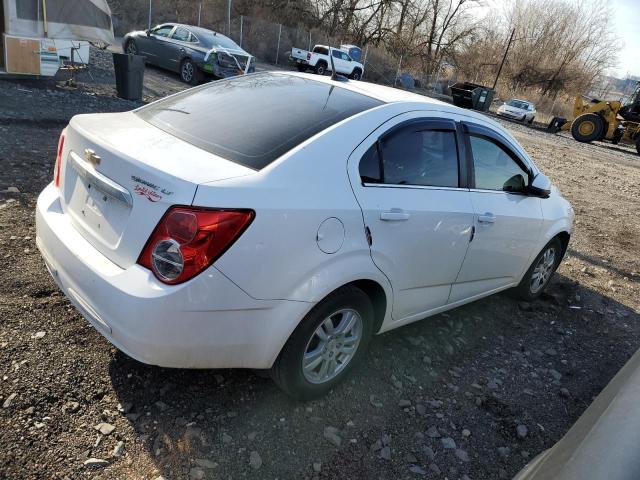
(494, 168)
(321, 50)
(254, 119)
(181, 34)
(163, 31)
(420, 157)
(370, 166)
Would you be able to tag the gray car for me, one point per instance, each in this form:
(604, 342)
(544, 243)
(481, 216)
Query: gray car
(603, 443)
(193, 52)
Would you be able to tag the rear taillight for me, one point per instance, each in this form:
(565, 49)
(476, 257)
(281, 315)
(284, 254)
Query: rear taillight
(58, 165)
(188, 240)
(309, 56)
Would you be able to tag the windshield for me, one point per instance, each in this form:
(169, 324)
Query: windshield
(254, 119)
(518, 104)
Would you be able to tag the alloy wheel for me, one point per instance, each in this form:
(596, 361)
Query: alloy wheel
(132, 49)
(543, 270)
(187, 71)
(332, 346)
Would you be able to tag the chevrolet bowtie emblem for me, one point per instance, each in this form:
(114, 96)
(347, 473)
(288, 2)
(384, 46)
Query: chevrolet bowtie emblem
(91, 156)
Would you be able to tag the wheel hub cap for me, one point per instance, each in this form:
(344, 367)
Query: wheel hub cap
(332, 346)
(543, 270)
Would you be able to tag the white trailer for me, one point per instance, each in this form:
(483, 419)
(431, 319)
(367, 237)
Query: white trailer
(34, 33)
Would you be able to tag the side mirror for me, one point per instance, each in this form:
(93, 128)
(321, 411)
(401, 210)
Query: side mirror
(515, 184)
(540, 186)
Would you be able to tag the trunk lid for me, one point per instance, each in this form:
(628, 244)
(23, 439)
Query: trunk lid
(120, 174)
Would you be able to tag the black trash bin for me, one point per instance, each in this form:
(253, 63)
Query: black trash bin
(470, 95)
(129, 71)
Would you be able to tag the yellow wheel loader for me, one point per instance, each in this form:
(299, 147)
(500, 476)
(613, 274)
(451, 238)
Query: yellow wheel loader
(603, 120)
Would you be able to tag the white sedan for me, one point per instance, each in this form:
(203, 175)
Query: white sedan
(518, 110)
(279, 220)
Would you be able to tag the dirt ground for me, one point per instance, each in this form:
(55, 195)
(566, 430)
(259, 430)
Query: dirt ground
(471, 394)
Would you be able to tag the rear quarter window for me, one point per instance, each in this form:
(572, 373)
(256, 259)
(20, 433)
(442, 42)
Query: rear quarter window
(254, 119)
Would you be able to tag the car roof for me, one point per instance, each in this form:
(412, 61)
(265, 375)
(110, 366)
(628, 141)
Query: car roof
(194, 29)
(395, 95)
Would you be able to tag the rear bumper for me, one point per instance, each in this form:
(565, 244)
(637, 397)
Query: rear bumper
(207, 322)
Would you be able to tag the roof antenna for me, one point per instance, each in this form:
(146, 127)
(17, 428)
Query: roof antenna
(334, 74)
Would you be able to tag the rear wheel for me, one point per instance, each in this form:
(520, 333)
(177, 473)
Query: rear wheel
(327, 344)
(587, 127)
(321, 68)
(356, 74)
(542, 269)
(301, 68)
(189, 72)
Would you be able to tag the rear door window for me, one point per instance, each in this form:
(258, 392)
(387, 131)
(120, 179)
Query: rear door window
(163, 31)
(254, 119)
(181, 34)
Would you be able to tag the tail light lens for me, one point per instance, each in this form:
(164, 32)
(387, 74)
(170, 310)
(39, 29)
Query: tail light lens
(309, 56)
(58, 165)
(188, 240)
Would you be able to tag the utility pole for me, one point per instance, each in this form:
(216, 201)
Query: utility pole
(229, 17)
(149, 23)
(504, 57)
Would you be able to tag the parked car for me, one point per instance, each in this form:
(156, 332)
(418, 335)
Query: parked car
(318, 60)
(603, 443)
(193, 234)
(518, 110)
(193, 52)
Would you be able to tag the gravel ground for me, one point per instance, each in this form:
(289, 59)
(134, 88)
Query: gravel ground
(471, 394)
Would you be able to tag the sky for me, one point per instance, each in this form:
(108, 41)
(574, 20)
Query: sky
(626, 21)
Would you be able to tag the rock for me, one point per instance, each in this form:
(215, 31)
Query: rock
(161, 406)
(317, 466)
(71, 407)
(252, 436)
(426, 359)
(12, 190)
(429, 453)
(196, 473)
(551, 352)
(39, 334)
(504, 451)
(375, 402)
(493, 384)
(377, 445)
(418, 470)
(125, 407)
(555, 374)
(396, 383)
(404, 403)
(332, 435)
(118, 450)
(462, 455)
(206, 463)
(421, 409)
(435, 403)
(254, 460)
(385, 453)
(386, 439)
(7, 403)
(435, 469)
(95, 463)
(522, 431)
(410, 458)
(564, 393)
(448, 443)
(466, 433)
(105, 428)
(433, 432)
(226, 438)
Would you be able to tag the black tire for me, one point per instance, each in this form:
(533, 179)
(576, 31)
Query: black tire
(189, 72)
(287, 371)
(523, 119)
(587, 127)
(356, 74)
(556, 124)
(525, 289)
(321, 68)
(301, 68)
(131, 47)
(530, 122)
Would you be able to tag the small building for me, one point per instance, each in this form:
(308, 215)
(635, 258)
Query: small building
(33, 33)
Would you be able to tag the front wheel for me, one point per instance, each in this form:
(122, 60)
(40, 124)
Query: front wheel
(327, 344)
(356, 74)
(539, 274)
(587, 127)
(301, 68)
(131, 48)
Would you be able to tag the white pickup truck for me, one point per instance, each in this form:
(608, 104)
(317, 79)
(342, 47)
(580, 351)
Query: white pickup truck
(318, 60)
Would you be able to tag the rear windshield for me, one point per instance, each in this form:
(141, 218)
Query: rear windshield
(254, 119)
(518, 104)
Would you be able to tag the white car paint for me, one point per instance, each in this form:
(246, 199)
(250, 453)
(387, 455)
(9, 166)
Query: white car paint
(518, 110)
(307, 239)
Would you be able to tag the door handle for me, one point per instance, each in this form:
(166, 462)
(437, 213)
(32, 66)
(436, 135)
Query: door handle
(394, 215)
(488, 217)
